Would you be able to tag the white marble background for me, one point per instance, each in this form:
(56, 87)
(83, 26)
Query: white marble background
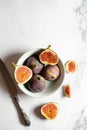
(26, 24)
(81, 15)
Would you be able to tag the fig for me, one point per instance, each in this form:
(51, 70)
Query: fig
(48, 57)
(71, 66)
(34, 64)
(50, 110)
(51, 72)
(22, 74)
(37, 83)
(67, 90)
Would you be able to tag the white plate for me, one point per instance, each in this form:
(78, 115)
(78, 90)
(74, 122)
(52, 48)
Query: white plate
(51, 86)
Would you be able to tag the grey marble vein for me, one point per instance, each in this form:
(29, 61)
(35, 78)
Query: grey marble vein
(81, 123)
(81, 12)
(81, 15)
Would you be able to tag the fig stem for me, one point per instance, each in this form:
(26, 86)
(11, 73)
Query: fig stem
(14, 65)
(49, 47)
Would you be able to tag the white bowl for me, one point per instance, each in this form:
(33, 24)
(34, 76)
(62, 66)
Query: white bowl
(51, 86)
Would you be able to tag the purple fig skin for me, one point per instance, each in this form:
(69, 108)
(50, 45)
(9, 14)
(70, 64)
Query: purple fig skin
(51, 72)
(34, 64)
(37, 83)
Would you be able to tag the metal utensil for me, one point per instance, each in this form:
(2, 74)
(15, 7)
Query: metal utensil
(13, 92)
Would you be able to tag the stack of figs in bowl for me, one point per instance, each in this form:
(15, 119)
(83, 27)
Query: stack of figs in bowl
(47, 72)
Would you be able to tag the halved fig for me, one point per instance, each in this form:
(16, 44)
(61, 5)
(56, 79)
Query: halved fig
(50, 110)
(22, 74)
(71, 66)
(48, 57)
(67, 90)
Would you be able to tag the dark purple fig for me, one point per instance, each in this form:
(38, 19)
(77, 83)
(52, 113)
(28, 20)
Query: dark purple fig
(37, 83)
(34, 64)
(51, 72)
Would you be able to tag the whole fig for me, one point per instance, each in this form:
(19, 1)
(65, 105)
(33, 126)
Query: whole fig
(37, 83)
(34, 64)
(51, 72)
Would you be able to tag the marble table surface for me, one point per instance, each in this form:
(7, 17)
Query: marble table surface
(27, 24)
